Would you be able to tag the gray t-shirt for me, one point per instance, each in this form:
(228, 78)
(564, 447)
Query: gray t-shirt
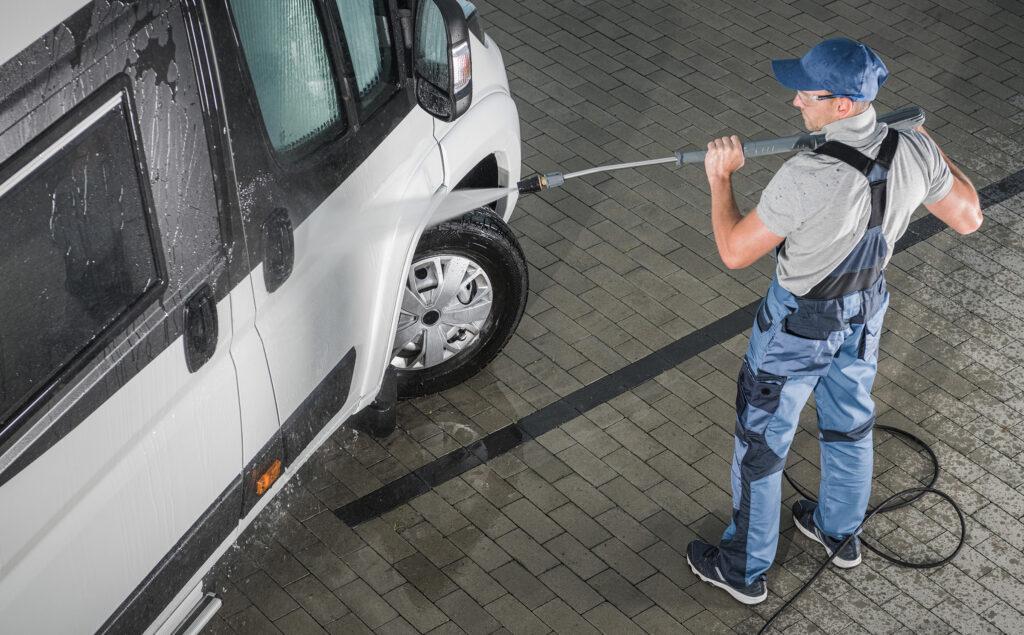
(821, 205)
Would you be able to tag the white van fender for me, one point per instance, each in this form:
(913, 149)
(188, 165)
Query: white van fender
(490, 126)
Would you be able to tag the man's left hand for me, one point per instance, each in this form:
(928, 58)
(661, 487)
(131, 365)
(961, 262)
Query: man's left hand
(725, 156)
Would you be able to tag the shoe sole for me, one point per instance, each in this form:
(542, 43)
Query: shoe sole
(839, 562)
(739, 597)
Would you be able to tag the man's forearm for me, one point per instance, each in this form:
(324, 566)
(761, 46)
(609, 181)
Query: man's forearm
(724, 216)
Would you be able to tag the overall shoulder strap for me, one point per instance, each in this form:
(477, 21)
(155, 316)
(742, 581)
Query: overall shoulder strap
(846, 154)
(888, 149)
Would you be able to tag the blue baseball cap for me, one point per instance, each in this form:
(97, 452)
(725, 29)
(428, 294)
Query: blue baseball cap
(840, 66)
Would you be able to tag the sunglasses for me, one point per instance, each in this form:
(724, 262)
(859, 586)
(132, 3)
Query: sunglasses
(809, 99)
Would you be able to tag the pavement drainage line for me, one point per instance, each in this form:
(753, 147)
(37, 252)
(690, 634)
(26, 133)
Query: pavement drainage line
(532, 426)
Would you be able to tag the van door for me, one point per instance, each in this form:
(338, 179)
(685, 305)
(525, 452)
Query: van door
(120, 445)
(331, 159)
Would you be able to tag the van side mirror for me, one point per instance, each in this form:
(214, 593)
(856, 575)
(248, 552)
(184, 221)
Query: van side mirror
(442, 64)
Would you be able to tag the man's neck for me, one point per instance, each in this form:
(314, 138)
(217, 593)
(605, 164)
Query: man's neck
(851, 128)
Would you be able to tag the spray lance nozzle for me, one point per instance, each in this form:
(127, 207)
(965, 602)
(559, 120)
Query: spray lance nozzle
(541, 182)
(903, 119)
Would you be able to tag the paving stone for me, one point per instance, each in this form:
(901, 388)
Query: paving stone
(914, 616)
(334, 533)
(586, 465)
(563, 619)
(485, 516)
(439, 513)
(368, 606)
(266, 594)
(1004, 617)
(426, 577)
(620, 593)
(625, 528)
(415, 608)
(622, 559)
(574, 555)
(523, 585)
(675, 502)
(607, 619)
(656, 621)
(397, 626)
(300, 623)
(962, 618)
(251, 620)
(428, 541)
(469, 615)
(516, 617)
(670, 598)
(316, 599)
(568, 586)
(629, 498)
(537, 490)
(584, 495)
(385, 540)
(375, 570)
(474, 580)
(484, 551)
(532, 520)
(584, 528)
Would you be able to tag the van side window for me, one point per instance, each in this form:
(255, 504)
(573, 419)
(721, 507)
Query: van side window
(368, 36)
(291, 70)
(78, 250)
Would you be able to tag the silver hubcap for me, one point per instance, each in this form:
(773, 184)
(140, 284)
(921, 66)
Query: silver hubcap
(447, 300)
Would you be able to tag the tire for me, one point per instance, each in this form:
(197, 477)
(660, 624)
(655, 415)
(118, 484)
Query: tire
(450, 251)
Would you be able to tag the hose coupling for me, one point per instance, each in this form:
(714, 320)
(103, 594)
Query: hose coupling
(540, 182)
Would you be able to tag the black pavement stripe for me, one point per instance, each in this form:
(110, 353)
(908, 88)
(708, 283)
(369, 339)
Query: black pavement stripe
(607, 388)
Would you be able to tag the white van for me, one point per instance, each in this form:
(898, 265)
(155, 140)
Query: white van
(216, 244)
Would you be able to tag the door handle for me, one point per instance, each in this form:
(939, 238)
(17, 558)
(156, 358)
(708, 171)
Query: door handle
(200, 328)
(278, 249)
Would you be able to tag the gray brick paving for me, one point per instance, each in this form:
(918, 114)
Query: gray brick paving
(583, 530)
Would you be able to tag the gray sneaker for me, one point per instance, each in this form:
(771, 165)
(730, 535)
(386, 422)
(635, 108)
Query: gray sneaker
(803, 516)
(703, 561)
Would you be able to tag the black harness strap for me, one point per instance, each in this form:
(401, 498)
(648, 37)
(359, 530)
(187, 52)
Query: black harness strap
(877, 173)
(888, 149)
(875, 170)
(846, 154)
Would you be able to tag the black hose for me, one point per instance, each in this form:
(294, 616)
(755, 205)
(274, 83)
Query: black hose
(892, 503)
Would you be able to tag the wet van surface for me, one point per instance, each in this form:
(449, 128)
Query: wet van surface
(211, 211)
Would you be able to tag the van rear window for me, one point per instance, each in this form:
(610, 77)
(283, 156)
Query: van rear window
(78, 250)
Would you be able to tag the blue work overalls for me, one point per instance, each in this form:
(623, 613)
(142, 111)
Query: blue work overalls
(825, 341)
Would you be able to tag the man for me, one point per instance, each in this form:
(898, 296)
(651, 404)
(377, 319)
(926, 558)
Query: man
(834, 216)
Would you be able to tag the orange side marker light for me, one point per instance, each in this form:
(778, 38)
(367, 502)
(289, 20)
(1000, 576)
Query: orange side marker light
(264, 482)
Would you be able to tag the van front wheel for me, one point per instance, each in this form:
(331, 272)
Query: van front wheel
(463, 298)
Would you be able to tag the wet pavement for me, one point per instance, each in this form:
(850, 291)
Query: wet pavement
(557, 490)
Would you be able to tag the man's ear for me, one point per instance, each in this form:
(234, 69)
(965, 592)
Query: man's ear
(844, 106)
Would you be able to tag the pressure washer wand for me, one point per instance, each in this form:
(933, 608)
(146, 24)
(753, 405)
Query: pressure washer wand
(902, 119)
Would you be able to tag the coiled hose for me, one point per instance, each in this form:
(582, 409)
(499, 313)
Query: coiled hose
(892, 503)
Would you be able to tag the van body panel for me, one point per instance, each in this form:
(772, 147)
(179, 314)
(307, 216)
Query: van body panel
(124, 489)
(255, 389)
(490, 126)
(25, 22)
(92, 516)
(346, 252)
(100, 483)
